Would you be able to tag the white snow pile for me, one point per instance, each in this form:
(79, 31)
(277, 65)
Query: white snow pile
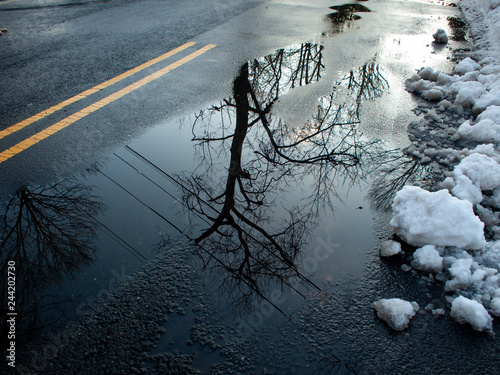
(423, 218)
(390, 248)
(396, 312)
(483, 16)
(486, 129)
(456, 230)
(477, 173)
(471, 87)
(427, 259)
(464, 310)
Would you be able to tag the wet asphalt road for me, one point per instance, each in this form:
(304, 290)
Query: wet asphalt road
(72, 48)
(56, 49)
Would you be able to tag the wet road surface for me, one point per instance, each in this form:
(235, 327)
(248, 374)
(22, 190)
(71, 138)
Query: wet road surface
(258, 159)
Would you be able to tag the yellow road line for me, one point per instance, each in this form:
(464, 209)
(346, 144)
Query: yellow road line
(23, 145)
(84, 94)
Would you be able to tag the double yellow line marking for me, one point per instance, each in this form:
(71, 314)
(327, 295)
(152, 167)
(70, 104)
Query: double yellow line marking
(28, 142)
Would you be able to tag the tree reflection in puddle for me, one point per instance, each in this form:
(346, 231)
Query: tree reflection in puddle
(49, 233)
(344, 16)
(398, 170)
(254, 233)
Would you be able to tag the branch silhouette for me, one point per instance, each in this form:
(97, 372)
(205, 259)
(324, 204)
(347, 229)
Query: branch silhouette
(253, 245)
(49, 233)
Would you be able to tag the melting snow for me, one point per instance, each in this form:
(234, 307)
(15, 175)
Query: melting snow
(396, 312)
(464, 310)
(448, 226)
(428, 259)
(440, 36)
(390, 248)
(423, 218)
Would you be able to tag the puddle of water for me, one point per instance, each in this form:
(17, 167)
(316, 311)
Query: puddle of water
(261, 198)
(49, 233)
(270, 184)
(280, 210)
(344, 15)
(350, 8)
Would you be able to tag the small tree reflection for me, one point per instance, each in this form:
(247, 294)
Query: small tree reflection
(367, 82)
(277, 73)
(246, 235)
(49, 233)
(397, 171)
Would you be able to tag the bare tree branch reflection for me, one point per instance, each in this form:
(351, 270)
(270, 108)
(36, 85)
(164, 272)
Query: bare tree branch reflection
(368, 82)
(49, 233)
(247, 235)
(398, 170)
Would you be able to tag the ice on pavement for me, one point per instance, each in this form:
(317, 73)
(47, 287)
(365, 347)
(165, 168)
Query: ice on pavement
(396, 312)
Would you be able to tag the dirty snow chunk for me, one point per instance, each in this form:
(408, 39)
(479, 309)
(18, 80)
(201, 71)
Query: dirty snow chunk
(487, 216)
(428, 73)
(464, 310)
(425, 160)
(390, 248)
(405, 268)
(490, 69)
(471, 76)
(431, 113)
(443, 79)
(491, 113)
(445, 104)
(482, 170)
(427, 259)
(495, 306)
(465, 189)
(419, 86)
(485, 149)
(396, 312)
(432, 94)
(483, 131)
(448, 183)
(490, 256)
(488, 99)
(438, 312)
(461, 275)
(466, 93)
(423, 218)
(440, 36)
(466, 65)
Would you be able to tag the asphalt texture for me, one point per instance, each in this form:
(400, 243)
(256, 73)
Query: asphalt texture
(56, 49)
(172, 310)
